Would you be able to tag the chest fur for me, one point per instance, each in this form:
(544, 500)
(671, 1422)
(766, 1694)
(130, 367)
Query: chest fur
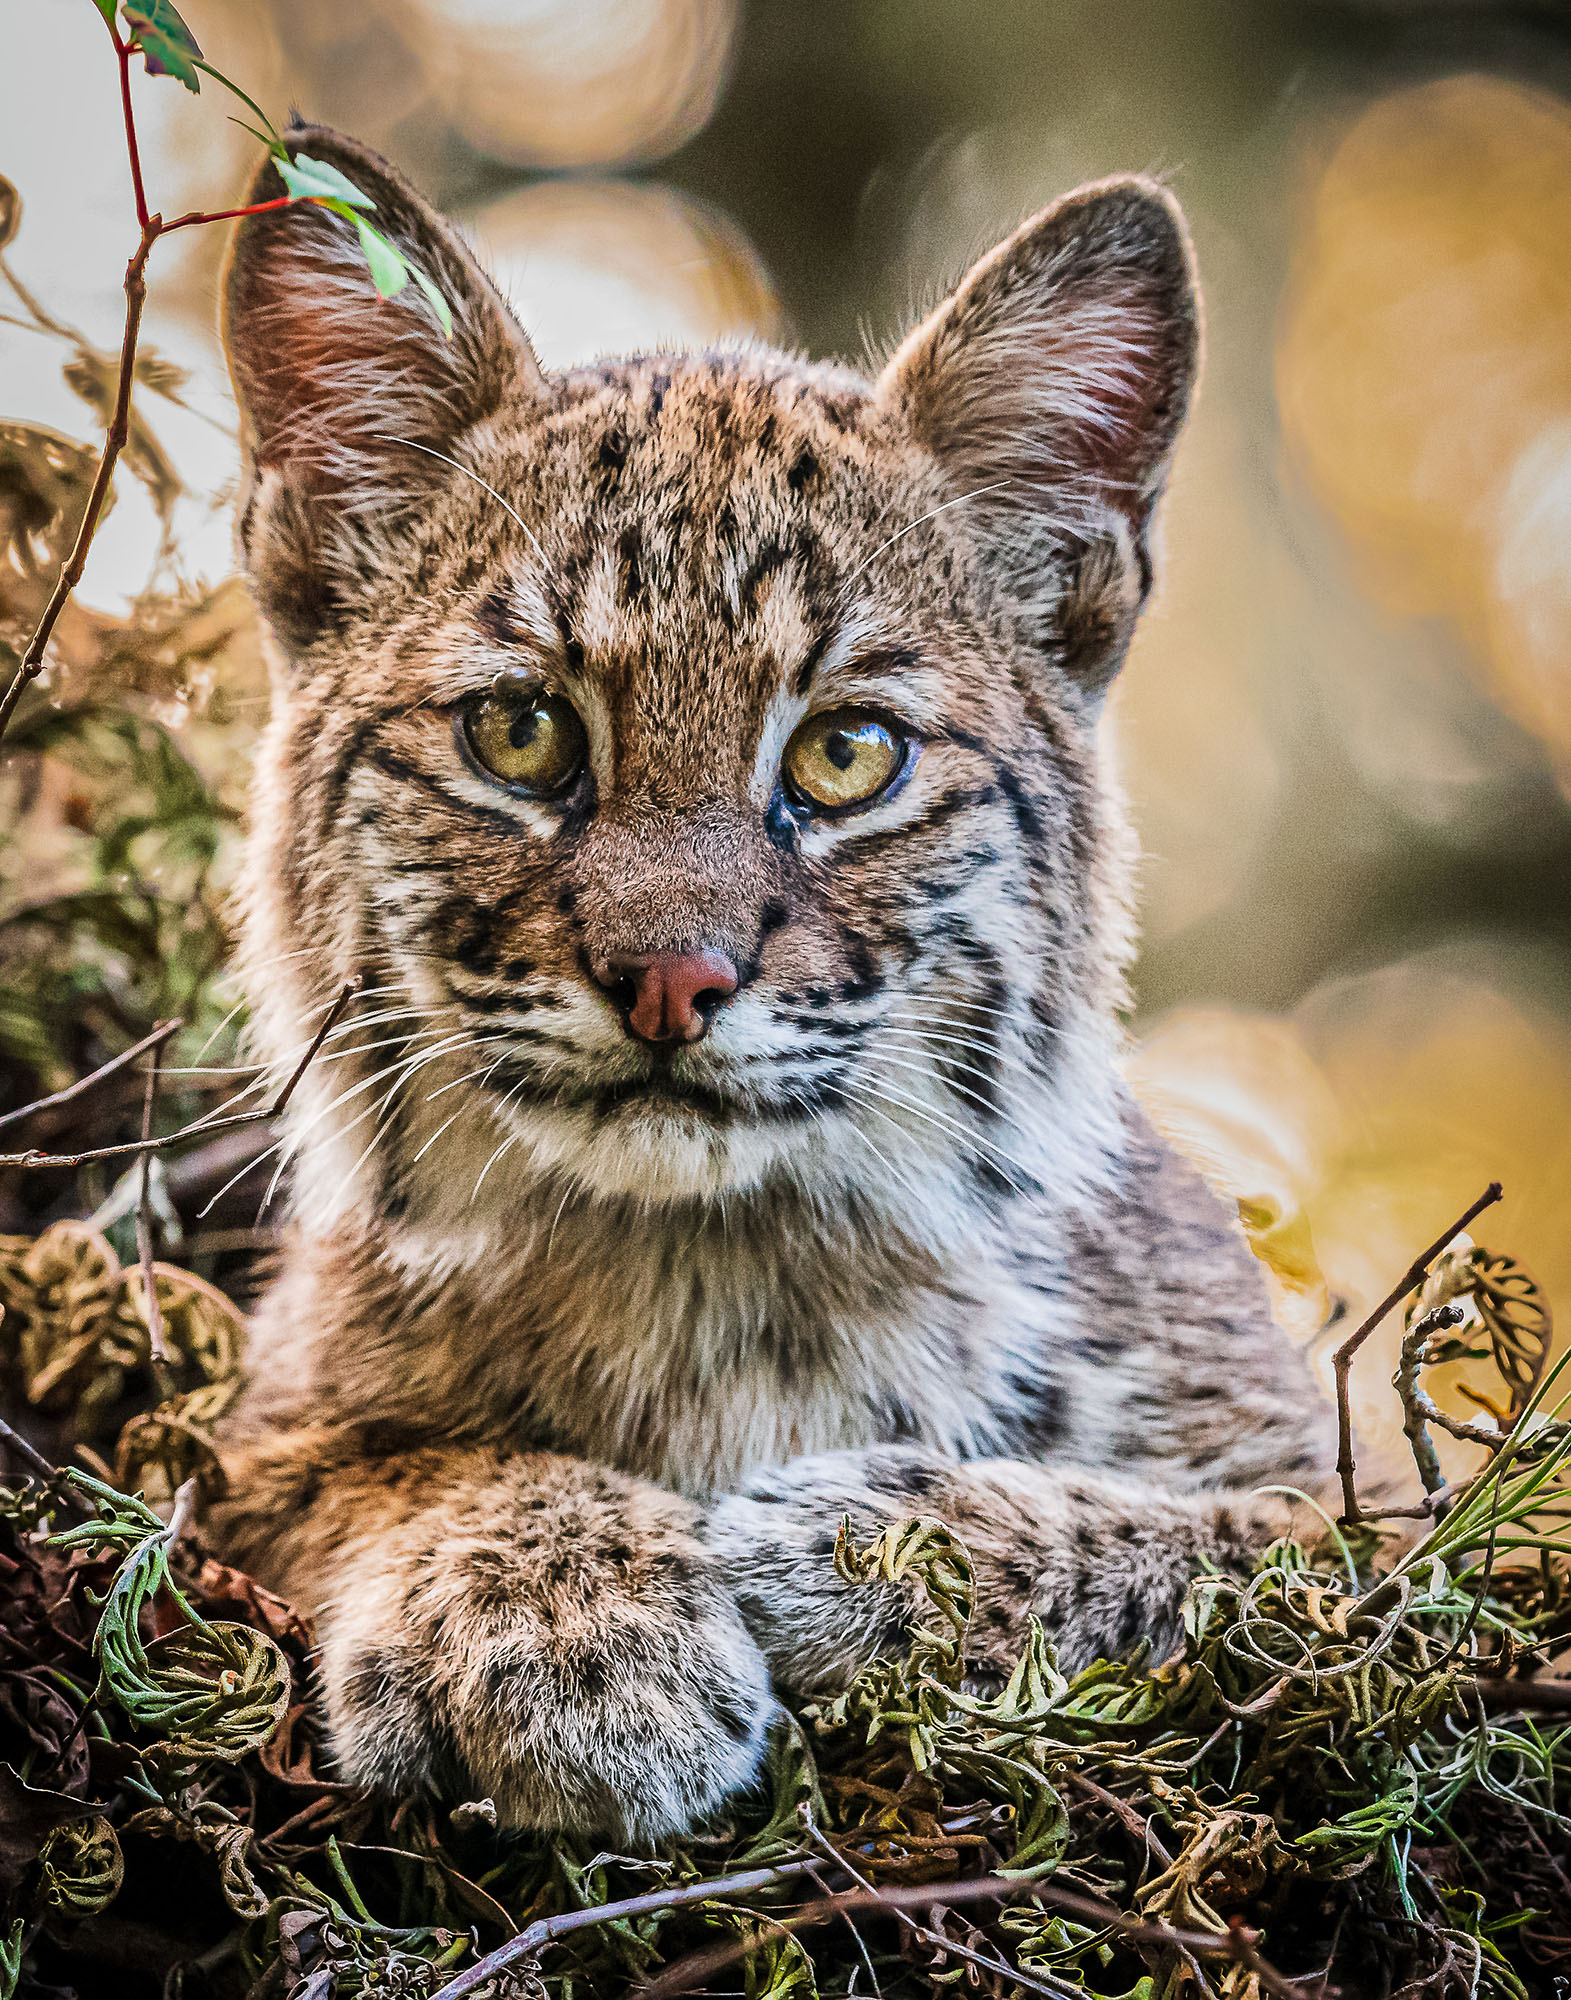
(693, 1358)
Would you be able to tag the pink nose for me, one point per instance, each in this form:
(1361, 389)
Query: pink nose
(667, 996)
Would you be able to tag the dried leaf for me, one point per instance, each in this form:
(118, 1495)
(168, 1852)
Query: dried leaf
(28, 1816)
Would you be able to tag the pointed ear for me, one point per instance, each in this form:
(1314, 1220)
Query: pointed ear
(326, 371)
(1051, 386)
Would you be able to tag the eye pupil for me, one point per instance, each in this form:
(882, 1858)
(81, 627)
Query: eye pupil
(523, 728)
(840, 750)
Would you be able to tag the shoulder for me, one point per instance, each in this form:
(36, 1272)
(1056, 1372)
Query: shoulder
(1158, 1236)
(1170, 1297)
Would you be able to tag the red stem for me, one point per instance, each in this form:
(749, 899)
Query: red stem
(124, 51)
(153, 226)
(119, 430)
(228, 214)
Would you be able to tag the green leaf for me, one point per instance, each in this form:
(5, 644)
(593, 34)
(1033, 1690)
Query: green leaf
(438, 304)
(321, 182)
(107, 9)
(272, 139)
(318, 180)
(389, 267)
(168, 46)
(270, 144)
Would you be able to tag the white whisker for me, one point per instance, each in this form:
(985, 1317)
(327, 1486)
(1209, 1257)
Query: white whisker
(943, 507)
(411, 1070)
(951, 1127)
(297, 1138)
(410, 445)
(470, 1075)
(922, 1070)
(928, 1038)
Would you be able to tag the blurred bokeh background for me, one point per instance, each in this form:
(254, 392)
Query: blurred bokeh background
(1346, 726)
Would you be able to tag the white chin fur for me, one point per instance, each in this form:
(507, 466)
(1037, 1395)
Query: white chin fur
(653, 1152)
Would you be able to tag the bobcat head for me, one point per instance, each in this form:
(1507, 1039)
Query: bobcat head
(695, 754)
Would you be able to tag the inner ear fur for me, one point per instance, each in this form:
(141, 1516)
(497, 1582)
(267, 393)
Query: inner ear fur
(1051, 385)
(325, 371)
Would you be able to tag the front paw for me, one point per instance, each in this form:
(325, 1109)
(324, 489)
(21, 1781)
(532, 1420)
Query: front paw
(1102, 1562)
(774, 1543)
(588, 1672)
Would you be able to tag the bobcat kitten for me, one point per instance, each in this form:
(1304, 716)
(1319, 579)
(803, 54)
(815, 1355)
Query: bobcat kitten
(695, 757)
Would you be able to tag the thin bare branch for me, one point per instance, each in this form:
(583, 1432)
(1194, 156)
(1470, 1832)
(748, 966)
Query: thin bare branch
(529, 1943)
(70, 576)
(123, 52)
(30, 1456)
(1237, 1943)
(1413, 1277)
(1054, 1988)
(205, 1126)
(152, 227)
(158, 1346)
(346, 993)
(83, 1085)
(1530, 1697)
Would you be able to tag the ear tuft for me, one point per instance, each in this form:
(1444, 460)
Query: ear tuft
(1052, 386)
(326, 370)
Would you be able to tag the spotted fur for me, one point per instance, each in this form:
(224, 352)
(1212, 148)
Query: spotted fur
(581, 1346)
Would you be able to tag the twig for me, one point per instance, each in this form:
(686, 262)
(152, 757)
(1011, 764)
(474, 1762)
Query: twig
(1411, 1279)
(119, 430)
(1420, 1410)
(529, 1943)
(1544, 1697)
(932, 1937)
(1124, 1812)
(201, 215)
(83, 1085)
(205, 1126)
(689, 1972)
(123, 55)
(30, 1456)
(157, 1345)
(1425, 1510)
(856, 1936)
(1236, 1943)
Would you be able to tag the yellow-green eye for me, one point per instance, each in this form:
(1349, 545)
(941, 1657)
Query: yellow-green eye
(842, 758)
(527, 737)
